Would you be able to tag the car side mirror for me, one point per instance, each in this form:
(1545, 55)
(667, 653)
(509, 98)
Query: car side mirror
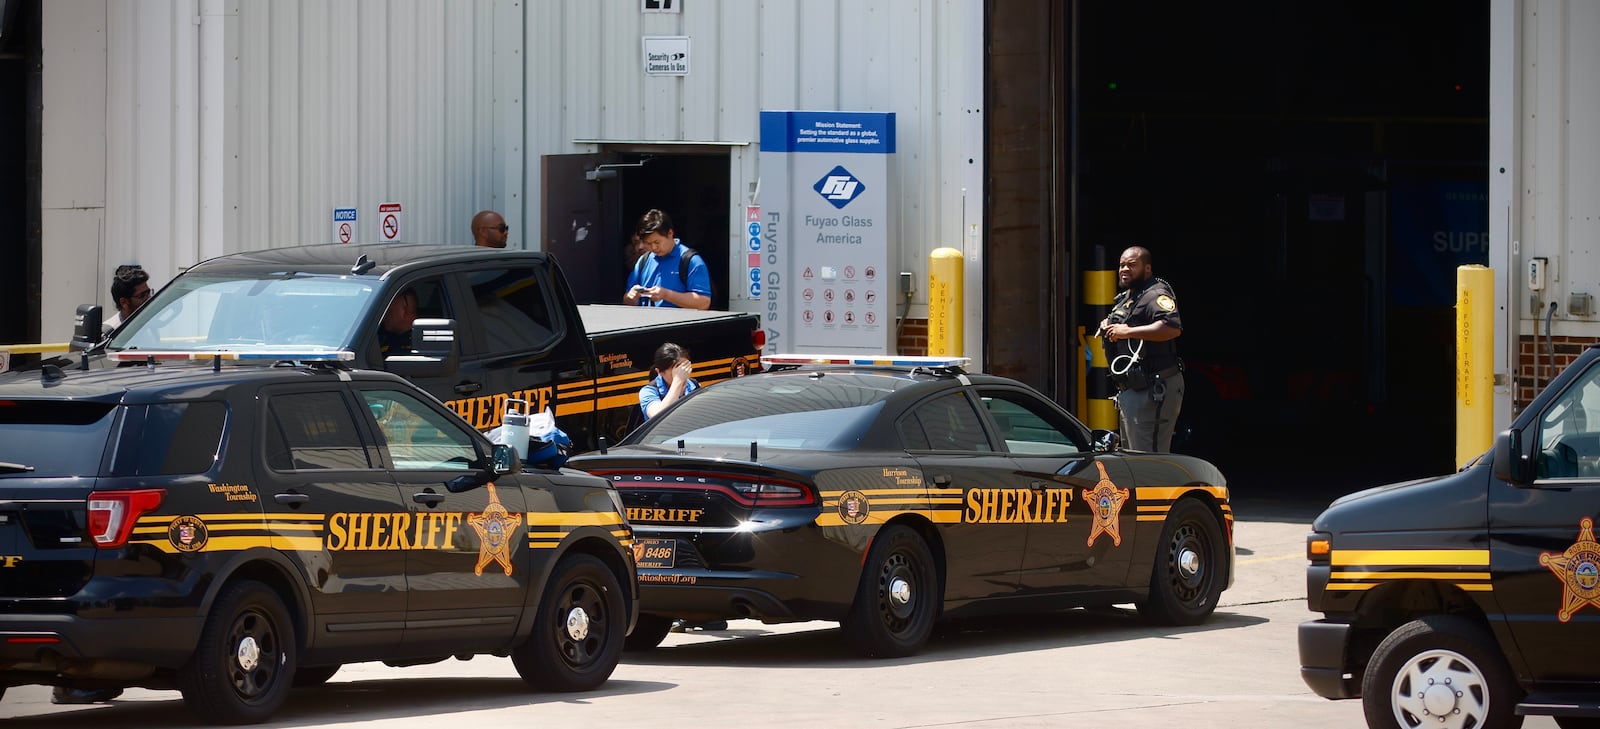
(1105, 441)
(1513, 462)
(433, 351)
(504, 460)
(86, 326)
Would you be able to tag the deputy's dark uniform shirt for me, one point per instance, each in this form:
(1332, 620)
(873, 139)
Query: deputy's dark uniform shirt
(1152, 302)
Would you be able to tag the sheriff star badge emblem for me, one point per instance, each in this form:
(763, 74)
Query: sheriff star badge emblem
(1579, 571)
(1105, 501)
(495, 527)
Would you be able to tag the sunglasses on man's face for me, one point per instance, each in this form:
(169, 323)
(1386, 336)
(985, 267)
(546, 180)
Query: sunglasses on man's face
(501, 227)
(140, 296)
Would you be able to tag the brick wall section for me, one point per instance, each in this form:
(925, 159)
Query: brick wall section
(913, 338)
(1567, 349)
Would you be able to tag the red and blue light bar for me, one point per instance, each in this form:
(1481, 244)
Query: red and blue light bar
(255, 355)
(769, 360)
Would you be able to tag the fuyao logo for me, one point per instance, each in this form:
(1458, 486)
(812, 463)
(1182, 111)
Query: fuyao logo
(839, 187)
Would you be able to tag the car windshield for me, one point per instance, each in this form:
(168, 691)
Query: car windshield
(218, 312)
(829, 413)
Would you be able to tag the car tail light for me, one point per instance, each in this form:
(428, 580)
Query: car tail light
(113, 513)
(768, 493)
(758, 339)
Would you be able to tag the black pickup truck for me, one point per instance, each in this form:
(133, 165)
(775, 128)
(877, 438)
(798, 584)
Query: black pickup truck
(493, 325)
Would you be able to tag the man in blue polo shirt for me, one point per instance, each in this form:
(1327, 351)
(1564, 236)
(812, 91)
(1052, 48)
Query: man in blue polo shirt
(658, 279)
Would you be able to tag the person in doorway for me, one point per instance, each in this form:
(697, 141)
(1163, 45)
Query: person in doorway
(394, 330)
(130, 288)
(489, 230)
(1141, 333)
(671, 274)
(672, 381)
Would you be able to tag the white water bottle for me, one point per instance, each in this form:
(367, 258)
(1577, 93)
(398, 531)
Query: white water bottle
(514, 428)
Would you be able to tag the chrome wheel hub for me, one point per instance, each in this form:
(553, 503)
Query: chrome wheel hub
(1189, 562)
(248, 654)
(900, 591)
(577, 624)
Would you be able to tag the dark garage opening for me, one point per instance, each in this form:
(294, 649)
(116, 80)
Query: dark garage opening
(1308, 177)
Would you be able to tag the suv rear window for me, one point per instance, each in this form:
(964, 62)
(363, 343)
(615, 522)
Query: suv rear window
(170, 439)
(53, 438)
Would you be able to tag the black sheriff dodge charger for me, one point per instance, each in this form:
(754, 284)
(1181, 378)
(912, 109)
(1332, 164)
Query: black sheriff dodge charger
(885, 493)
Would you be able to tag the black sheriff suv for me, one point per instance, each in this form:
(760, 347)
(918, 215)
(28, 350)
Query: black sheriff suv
(491, 326)
(243, 524)
(1470, 600)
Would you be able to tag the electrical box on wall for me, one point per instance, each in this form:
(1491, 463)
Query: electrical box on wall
(1538, 270)
(1580, 304)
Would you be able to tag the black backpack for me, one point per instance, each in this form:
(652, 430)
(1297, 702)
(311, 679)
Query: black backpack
(683, 269)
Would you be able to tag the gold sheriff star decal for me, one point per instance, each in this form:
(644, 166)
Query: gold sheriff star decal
(1106, 501)
(495, 528)
(1579, 571)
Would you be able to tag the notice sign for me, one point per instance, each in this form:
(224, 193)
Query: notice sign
(344, 225)
(389, 222)
(666, 55)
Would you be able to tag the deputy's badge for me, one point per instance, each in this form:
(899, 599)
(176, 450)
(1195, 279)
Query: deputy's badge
(853, 507)
(187, 534)
(1166, 303)
(1579, 571)
(1105, 501)
(495, 528)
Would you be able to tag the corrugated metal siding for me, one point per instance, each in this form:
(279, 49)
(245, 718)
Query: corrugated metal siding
(905, 56)
(364, 102)
(325, 103)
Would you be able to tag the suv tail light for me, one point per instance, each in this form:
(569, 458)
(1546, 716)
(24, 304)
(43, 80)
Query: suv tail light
(112, 514)
(758, 339)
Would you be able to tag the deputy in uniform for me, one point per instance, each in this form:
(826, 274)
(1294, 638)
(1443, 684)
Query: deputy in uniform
(1145, 367)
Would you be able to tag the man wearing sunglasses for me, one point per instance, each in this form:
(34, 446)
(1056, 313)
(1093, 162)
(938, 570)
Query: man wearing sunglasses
(489, 229)
(130, 288)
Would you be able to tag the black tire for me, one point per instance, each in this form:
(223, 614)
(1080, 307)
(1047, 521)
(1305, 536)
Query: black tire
(897, 598)
(309, 676)
(1189, 571)
(578, 630)
(647, 633)
(1578, 722)
(1439, 666)
(243, 664)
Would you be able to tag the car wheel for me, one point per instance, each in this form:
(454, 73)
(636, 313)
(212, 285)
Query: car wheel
(1439, 671)
(578, 632)
(243, 664)
(897, 598)
(647, 633)
(1187, 578)
(308, 676)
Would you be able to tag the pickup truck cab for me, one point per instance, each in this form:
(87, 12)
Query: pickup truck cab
(1473, 599)
(238, 526)
(492, 325)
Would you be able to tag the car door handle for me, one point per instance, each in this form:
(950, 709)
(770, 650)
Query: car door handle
(571, 374)
(467, 388)
(941, 480)
(1036, 485)
(428, 497)
(291, 499)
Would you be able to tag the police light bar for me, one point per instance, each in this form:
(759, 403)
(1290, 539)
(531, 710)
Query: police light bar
(262, 355)
(769, 360)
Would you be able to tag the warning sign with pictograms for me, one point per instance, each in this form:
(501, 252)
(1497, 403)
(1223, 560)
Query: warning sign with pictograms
(344, 225)
(390, 221)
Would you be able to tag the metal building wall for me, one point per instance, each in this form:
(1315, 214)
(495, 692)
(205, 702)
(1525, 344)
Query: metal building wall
(177, 130)
(921, 60)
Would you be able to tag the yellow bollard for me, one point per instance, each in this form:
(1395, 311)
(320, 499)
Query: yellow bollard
(1474, 362)
(944, 303)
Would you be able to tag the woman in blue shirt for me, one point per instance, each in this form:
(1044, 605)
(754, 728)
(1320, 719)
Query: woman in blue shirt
(672, 380)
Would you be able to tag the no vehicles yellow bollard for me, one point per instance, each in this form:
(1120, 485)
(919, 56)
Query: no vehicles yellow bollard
(944, 302)
(1474, 362)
